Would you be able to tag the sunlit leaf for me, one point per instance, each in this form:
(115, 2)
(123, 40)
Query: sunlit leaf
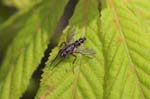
(126, 52)
(84, 78)
(119, 33)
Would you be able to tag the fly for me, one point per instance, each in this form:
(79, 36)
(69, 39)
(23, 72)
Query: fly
(71, 48)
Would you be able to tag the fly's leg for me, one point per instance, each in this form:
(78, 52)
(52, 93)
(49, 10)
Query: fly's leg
(62, 44)
(75, 58)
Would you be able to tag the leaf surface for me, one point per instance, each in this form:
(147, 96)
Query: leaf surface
(27, 48)
(84, 78)
(123, 68)
(80, 80)
(21, 5)
(126, 51)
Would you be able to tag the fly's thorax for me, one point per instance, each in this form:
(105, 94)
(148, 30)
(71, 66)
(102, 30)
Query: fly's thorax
(67, 50)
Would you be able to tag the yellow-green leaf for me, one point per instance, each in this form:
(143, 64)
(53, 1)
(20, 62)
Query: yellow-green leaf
(84, 78)
(122, 69)
(126, 51)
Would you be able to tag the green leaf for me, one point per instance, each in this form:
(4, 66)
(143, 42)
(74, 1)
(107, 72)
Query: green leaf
(14, 24)
(84, 78)
(27, 48)
(123, 47)
(140, 9)
(21, 4)
(126, 51)
(85, 12)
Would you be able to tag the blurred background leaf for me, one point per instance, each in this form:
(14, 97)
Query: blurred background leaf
(6, 12)
(21, 4)
(25, 50)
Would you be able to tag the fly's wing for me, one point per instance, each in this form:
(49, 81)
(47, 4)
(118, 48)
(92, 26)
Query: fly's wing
(71, 35)
(85, 51)
(56, 61)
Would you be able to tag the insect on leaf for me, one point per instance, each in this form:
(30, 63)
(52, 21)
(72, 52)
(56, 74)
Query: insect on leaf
(68, 80)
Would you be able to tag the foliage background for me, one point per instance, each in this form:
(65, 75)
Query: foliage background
(118, 30)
